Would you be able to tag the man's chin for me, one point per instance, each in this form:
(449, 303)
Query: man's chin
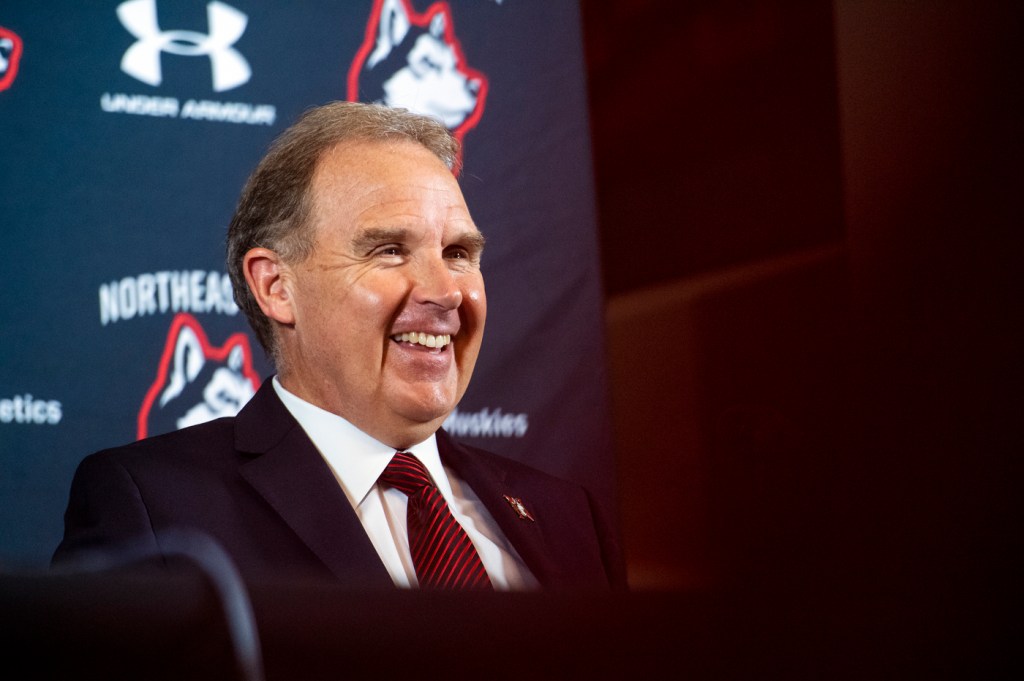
(424, 411)
(422, 405)
(433, 417)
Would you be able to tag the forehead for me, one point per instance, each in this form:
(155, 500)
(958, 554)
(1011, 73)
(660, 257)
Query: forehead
(365, 182)
(389, 164)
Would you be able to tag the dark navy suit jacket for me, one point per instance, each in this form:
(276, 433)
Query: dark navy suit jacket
(256, 484)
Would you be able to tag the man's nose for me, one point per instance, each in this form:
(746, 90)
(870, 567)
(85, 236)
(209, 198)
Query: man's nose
(435, 284)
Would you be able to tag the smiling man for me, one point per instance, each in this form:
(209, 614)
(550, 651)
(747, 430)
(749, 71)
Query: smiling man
(357, 262)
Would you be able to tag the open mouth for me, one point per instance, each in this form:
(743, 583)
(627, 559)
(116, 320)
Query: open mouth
(427, 340)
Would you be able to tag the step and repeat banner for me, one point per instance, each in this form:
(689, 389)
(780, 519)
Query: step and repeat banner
(128, 129)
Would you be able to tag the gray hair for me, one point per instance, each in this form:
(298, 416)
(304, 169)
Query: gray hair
(274, 209)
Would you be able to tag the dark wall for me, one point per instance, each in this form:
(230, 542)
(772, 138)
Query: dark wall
(857, 429)
(715, 134)
(718, 169)
(930, 104)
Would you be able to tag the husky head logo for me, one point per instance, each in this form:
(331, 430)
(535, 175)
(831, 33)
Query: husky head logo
(10, 55)
(413, 61)
(197, 382)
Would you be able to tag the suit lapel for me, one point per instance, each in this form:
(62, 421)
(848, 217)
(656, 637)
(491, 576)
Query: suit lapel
(289, 473)
(491, 483)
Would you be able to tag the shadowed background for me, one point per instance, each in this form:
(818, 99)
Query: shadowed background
(809, 247)
(811, 253)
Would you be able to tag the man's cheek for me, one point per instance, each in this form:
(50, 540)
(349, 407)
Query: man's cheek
(370, 302)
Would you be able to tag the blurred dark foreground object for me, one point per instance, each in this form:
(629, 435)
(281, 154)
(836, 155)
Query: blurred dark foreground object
(147, 625)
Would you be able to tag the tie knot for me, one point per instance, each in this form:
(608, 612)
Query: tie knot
(406, 474)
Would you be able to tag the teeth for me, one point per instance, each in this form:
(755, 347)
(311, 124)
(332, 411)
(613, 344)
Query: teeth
(424, 339)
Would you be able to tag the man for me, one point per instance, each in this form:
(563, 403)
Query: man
(357, 263)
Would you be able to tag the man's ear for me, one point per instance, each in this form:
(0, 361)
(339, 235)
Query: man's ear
(267, 276)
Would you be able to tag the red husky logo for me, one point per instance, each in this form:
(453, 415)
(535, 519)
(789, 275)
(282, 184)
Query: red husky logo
(197, 382)
(414, 61)
(10, 55)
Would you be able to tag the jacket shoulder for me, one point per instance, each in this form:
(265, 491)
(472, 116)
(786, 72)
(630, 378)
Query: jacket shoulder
(186, 445)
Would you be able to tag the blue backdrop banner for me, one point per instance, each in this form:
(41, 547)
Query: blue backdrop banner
(129, 128)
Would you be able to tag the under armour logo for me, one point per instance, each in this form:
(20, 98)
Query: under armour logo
(142, 59)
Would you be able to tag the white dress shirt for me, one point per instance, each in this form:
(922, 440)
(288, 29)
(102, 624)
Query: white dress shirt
(358, 460)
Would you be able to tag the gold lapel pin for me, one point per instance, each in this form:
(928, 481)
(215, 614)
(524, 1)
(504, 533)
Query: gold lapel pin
(517, 505)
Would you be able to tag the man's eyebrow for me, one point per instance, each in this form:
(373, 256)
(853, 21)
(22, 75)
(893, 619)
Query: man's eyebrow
(474, 241)
(372, 237)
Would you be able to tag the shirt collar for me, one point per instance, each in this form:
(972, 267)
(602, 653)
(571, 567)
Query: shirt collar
(356, 459)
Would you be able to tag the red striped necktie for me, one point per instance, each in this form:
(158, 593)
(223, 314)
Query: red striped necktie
(442, 553)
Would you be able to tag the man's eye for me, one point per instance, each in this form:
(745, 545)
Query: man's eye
(390, 250)
(457, 254)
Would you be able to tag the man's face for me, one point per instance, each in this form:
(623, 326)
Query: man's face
(390, 307)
